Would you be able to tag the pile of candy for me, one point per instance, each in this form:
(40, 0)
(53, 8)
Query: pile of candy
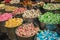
(2, 6)
(31, 13)
(7, 1)
(5, 16)
(13, 22)
(10, 8)
(47, 35)
(50, 18)
(27, 3)
(19, 10)
(14, 1)
(27, 30)
(51, 6)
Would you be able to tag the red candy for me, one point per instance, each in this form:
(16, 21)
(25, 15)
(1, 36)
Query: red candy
(7, 1)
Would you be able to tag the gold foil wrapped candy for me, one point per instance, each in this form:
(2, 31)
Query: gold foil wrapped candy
(14, 22)
(10, 8)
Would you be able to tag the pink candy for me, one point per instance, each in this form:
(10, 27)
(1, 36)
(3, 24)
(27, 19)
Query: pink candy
(27, 30)
(5, 16)
(19, 10)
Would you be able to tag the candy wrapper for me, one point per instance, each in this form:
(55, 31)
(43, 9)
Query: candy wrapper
(5, 16)
(13, 22)
(47, 35)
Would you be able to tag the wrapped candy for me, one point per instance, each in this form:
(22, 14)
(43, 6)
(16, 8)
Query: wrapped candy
(5, 16)
(14, 1)
(19, 10)
(50, 6)
(31, 13)
(27, 30)
(13, 22)
(7, 1)
(50, 18)
(47, 35)
(10, 8)
(2, 6)
(27, 3)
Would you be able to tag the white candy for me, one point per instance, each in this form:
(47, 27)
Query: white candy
(14, 1)
(31, 13)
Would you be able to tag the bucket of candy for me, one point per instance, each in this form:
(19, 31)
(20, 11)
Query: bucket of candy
(51, 6)
(11, 25)
(50, 20)
(51, 26)
(30, 15)
(7, 1)
(4, 17)
(26, 31)
(47, 35)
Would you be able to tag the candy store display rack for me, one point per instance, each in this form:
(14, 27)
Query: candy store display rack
(9, 24)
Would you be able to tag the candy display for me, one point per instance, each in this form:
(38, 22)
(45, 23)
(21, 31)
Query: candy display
(27, 30)
(14, 1)
(5, 16)
(50, 6)
(10, 8)
(50, 18)
(19, 10)
(30, 19)
(13, 22)
(47, 35)
(31, 13)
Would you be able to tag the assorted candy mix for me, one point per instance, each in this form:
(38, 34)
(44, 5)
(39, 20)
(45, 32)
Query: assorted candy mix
(27, 30)
(31, 13)
(13, 22)
(19, 10)
(47, 35)
(5, 16)
(50, 18)
(50, 6)
(10, 8)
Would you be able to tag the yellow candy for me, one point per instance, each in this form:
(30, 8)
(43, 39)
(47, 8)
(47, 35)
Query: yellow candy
(2, 6)
(14, 22)
(10, 8)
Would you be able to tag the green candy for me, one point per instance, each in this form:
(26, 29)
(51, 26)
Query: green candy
(50, 6)
(50, 18)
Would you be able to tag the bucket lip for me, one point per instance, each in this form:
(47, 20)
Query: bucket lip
(27, 37)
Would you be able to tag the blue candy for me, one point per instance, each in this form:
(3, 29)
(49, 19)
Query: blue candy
(47, 35)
